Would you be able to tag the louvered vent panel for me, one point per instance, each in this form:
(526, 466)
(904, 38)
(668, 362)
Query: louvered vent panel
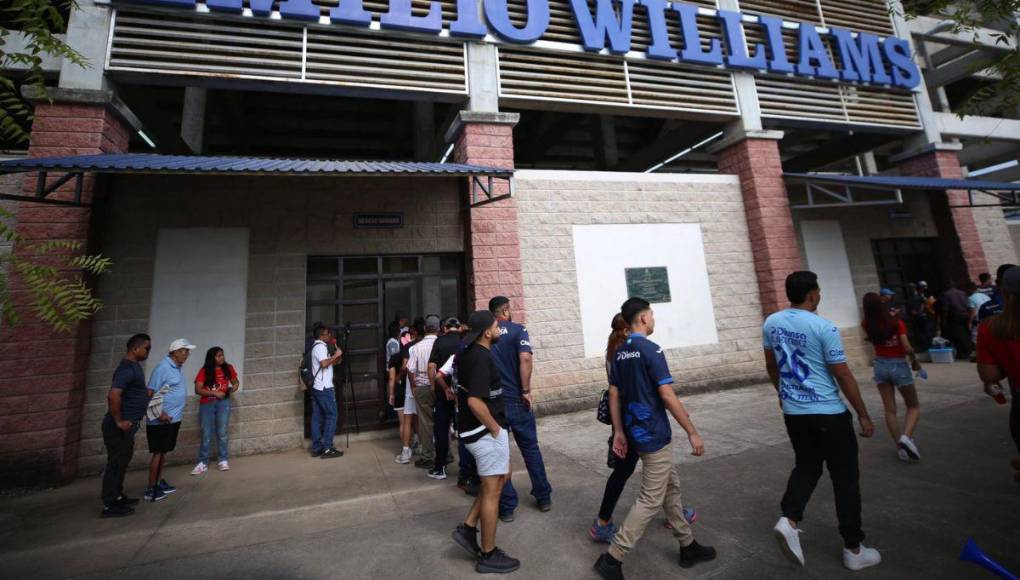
(857, 15)
(561, 76)
(374, 60)
(799, 10)
(800, 100)
(877, 107)
(182, 43)
(666, 85)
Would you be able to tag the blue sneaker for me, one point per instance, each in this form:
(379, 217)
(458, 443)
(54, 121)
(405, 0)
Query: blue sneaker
(165, 487)
(154, 494)
(602, 534)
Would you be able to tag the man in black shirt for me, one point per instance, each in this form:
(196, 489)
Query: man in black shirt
(483, 430)
(127, 401)
(445, 346)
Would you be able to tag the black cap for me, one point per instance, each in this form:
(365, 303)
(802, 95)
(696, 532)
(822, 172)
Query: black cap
(497, 302)
(478, 323)
(452, 322)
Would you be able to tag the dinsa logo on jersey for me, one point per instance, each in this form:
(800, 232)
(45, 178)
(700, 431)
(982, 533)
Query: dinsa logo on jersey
(627, 355)
(607, 26)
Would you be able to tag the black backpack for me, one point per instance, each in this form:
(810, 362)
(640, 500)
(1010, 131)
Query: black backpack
(305, 369)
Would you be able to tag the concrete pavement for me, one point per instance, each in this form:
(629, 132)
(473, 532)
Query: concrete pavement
(363, 516)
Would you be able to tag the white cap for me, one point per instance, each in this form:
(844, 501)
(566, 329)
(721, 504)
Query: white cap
(181, 343)
(922, 284)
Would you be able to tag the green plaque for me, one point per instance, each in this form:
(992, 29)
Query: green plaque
(652, 284)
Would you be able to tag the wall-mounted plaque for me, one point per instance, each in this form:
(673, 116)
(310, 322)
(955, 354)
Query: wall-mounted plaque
(652, 284)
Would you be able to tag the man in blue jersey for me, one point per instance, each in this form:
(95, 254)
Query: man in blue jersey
(640, 393)
(514, 359)
(805, 360)
(994, 306)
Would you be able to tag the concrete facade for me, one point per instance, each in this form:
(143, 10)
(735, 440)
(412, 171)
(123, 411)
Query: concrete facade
(313, 218)
(550, 203)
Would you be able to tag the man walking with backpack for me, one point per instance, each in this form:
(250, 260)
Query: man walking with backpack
(324, 411)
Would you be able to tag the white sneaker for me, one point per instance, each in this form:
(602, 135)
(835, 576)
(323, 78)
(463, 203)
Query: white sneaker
(404, 456)
(199, 469)
(901, 452)
(789, 540)
(861, 560)
(224, 466)
(910, 447)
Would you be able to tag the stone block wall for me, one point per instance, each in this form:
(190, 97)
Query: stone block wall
(1014, 232)
(995, 234)
(289, 219)
(550, 203)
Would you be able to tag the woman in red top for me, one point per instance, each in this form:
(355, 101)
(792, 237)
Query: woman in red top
(889, 337)
(998, 352)
(214, 383)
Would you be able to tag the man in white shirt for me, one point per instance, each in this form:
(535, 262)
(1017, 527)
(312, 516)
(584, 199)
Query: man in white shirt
(424, 396)
(323, 394)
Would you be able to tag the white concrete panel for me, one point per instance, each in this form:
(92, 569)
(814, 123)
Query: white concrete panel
(826, 256)
(602, 252)
(200, 291)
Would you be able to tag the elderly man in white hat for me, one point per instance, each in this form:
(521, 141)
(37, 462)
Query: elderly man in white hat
(169, 393)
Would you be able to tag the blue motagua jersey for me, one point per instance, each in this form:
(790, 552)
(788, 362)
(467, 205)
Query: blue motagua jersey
(638, 370)
(805, 344)
(513, 340)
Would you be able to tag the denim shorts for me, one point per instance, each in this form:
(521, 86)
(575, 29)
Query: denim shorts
(893, 371)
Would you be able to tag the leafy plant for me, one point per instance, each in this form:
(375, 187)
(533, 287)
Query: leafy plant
(1000, 17)
(39, 22)
(53, 275)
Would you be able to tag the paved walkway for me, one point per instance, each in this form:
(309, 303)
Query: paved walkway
(362, 516)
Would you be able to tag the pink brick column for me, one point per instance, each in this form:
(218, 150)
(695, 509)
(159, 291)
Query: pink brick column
(961, 242)
(493, 245)
(42, 372)
(769, 221)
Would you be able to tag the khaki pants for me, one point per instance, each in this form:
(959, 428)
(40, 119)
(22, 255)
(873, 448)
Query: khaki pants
(425, 399)
(660, 489)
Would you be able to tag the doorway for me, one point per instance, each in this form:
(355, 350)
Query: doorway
(900, 261)
(357, 296)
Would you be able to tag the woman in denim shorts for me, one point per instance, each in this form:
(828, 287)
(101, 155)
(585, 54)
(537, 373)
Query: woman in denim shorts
(892, 347)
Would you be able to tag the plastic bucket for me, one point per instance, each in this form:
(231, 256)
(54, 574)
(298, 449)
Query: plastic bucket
(941, 355)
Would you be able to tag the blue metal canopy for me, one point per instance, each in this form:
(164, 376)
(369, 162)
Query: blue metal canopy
(193, 164)
(903, 182)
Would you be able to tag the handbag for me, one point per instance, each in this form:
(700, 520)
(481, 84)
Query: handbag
(602, 412)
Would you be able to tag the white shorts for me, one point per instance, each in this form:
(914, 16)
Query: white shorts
(492, 455)
(410, 408)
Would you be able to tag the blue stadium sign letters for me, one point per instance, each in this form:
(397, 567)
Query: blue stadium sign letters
(860, 57)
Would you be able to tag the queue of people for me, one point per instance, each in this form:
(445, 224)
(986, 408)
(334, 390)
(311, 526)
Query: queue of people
(160, 402)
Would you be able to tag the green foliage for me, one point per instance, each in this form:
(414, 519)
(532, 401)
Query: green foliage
(38, 21)
(967, 17)
(53, 276)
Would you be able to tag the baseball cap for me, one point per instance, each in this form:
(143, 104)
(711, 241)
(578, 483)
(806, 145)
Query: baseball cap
(452, 322)
(1011, 280)
(432, 322)
(181, 343)
(478, 322)
(887, 292)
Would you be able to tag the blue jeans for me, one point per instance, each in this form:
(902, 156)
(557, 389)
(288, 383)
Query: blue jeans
(214, 417)
(525, 432)
(323, 419)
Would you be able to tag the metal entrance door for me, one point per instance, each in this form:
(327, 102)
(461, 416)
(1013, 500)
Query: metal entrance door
(903, 260)
(359, 296)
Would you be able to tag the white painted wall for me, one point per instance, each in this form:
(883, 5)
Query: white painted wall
(826, 256)
(200, 290)
(603, 251)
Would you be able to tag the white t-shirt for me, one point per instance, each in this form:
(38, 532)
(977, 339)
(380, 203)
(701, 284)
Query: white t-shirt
(323, 376)
(977, 299)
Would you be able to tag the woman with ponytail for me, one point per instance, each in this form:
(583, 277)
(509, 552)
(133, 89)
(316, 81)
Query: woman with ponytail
(214, 383)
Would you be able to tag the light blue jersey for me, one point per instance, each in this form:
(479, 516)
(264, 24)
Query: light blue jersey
(805, 344)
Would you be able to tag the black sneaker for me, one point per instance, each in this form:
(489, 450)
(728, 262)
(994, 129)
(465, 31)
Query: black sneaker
(316, 454)
(695, 553)
(331, 453)
(472, 488)
(507, 517)
(496, 562)
(424, 463)
(544, 506)
(609, 567)
(437, 473)
(116, 510)
(468, 539)
(128, 501)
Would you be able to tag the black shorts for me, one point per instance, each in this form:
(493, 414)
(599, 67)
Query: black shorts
(162, 437)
